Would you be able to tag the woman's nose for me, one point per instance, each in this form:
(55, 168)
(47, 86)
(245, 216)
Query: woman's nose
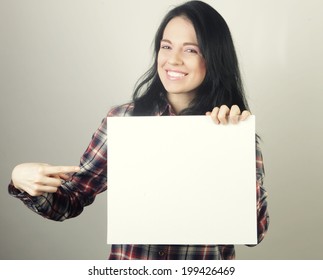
(175, 58)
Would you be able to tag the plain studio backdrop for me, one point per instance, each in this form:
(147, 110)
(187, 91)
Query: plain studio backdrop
(64, 64)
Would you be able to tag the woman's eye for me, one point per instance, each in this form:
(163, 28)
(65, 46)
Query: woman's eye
(191, 51)
(165, 47)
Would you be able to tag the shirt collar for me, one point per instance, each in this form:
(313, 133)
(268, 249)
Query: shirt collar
(164, 108)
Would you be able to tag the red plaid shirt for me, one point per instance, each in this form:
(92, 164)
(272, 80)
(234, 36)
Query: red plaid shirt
(71, 198)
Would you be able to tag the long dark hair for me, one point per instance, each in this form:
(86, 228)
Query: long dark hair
(222, 84)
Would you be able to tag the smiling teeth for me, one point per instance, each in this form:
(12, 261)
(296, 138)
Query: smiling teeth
(175, 74)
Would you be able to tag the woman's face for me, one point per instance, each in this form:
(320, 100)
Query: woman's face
(181, 67)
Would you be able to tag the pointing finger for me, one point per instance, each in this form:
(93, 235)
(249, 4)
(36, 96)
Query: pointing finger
(53, 170)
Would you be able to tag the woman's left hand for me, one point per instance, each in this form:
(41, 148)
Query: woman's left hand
(224, 114)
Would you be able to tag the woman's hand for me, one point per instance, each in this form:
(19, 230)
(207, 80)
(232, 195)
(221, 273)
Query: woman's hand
(38, 178)
(224, 114)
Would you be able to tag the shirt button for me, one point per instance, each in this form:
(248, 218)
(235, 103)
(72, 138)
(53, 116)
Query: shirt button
(161, 253)
(35, 208)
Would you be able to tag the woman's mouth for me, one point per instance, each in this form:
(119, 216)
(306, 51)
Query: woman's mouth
(175, 75)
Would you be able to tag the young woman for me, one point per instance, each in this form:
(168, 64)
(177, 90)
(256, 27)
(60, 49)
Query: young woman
(195, 72)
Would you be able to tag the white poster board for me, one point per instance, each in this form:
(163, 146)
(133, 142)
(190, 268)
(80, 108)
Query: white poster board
(181, 180)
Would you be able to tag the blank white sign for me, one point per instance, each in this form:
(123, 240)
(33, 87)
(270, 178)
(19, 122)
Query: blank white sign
(181, 180)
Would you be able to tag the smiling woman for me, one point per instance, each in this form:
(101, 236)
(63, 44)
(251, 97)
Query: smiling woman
(181, 66)
(193, 39)
(195, 72)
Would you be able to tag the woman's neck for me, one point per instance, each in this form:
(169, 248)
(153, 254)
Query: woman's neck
(180, 101)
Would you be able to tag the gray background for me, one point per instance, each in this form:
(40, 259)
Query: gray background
(63, 64)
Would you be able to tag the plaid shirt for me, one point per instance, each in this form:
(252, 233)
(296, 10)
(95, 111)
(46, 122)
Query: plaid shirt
(81, 190)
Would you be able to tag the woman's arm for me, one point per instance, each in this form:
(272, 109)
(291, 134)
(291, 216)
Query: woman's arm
(41, 189)
(262, 211)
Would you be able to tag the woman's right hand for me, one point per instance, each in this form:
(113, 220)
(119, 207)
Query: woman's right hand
(39, 178)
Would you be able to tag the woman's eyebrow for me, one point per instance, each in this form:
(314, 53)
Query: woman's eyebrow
(184, 44)
(166, 41)
(191, 44)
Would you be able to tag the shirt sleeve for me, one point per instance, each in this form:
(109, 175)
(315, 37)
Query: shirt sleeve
(262, 211)
(81, 190)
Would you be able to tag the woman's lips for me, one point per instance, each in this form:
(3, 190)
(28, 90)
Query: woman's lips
(175, 75)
